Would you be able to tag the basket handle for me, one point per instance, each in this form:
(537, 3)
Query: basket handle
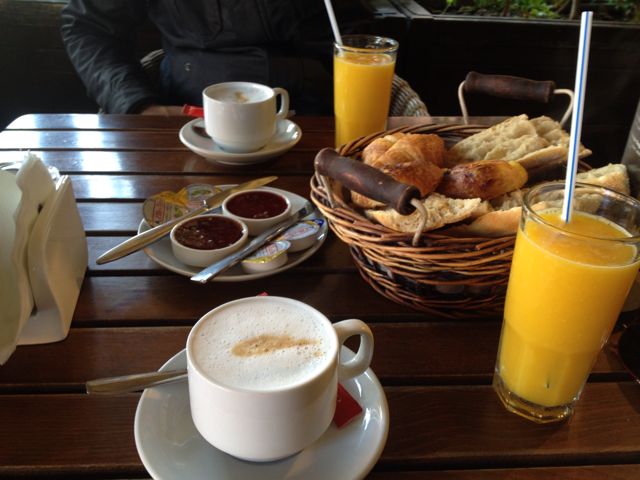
(366, 180)
(507, 86)
(516, 88)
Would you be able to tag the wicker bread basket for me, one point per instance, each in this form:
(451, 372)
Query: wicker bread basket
(444, 276)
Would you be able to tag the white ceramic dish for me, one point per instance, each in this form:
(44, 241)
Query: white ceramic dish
(256, 225)
(161, 252)
(170, 447)
(287, 135)
(201, 257)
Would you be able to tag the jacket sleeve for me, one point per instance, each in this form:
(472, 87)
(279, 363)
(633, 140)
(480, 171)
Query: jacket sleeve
(99, 37)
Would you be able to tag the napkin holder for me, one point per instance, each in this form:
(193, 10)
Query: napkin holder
(43, 256)
(57, 259)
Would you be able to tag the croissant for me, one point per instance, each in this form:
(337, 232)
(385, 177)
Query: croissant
(485, 179)
(379, 147)
(427, 147)
(411, 159)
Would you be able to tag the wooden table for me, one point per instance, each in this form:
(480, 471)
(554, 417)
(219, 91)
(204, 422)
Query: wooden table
(132, 315)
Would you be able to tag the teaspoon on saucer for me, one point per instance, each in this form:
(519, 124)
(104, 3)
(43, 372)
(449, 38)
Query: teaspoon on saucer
(133, 383)
(201, 131)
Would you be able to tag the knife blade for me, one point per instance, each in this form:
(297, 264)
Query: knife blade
(222, 265)
(154, 234)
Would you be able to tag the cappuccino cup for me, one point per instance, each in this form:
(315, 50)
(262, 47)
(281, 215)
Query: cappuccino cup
(263, 375)
(241, 117)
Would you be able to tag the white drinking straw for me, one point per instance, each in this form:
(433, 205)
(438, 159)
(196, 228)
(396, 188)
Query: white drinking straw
(576, 121)
(332, 20)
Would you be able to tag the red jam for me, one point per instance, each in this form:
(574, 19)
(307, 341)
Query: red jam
(257, 205)
(209, 233)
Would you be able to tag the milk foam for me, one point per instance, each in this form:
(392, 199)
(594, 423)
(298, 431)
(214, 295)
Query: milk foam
(291, 345)
(238, 94)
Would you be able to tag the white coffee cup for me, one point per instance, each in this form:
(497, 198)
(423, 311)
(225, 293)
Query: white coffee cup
(241, 117)
(263, 375)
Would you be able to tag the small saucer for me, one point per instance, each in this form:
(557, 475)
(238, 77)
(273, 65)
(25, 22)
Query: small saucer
(194, 137)
(171, 447)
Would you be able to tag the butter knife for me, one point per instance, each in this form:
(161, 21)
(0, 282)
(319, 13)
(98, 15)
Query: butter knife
(222, 265)
(154, 234)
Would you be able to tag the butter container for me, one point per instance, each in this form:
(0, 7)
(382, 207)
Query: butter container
(165, 206)
(303, 234)
(271, 256)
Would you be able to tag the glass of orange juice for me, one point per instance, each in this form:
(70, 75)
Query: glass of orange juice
(567, 286)
(363, 68)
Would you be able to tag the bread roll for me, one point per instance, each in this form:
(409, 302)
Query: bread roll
(485, 179)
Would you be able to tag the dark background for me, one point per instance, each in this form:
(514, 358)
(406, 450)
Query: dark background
(436, 53)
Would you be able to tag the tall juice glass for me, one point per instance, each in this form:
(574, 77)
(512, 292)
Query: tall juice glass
(567, 286)
(362, 76)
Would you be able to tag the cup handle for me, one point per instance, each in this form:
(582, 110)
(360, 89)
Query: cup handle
(284, 102)
(358, 364)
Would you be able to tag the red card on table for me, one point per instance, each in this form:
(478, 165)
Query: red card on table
(347, 408)
(192, 111)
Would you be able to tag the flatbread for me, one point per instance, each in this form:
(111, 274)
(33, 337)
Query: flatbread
(614, 176)
(532, 142)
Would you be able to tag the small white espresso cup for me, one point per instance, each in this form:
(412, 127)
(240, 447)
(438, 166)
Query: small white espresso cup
(263, 375)
(241, 117)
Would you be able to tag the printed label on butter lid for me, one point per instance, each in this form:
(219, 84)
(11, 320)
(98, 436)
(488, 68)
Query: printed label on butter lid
(165, 206)
(303, 234)
(269, 252)
(269, 257)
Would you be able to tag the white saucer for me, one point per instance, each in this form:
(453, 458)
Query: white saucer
(286, 136)
(170, 447)
(161, 251)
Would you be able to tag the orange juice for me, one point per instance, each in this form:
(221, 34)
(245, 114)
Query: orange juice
(564, 296)
(362, 92)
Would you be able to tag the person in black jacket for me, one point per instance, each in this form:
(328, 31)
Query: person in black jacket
(285, 43)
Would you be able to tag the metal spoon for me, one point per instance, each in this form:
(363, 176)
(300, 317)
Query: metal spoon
(133, 383)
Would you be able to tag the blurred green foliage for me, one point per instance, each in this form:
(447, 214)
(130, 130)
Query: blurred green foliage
(612, 10)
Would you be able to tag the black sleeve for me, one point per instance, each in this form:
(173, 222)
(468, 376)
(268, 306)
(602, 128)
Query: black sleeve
(99, 37)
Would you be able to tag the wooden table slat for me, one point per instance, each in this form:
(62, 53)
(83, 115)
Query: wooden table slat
(406, 353)
(431, 427)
